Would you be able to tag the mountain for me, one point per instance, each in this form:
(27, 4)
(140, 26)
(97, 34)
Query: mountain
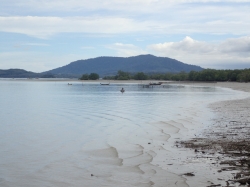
(20, 73)
(107, 66)
(110, 65)
(17, 73)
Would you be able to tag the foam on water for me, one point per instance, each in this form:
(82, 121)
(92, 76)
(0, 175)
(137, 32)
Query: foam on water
(52, 134)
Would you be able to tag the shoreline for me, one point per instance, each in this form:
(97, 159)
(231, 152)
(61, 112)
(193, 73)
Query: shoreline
(227, 141)
(240, 86)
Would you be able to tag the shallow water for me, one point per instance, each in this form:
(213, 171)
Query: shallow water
(53, 134)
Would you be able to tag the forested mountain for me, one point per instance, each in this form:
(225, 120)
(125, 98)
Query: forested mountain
(110, 65)
(20, 73)
(17, 73)
(105, 66)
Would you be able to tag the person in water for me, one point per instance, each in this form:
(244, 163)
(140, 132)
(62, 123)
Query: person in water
(122, 90)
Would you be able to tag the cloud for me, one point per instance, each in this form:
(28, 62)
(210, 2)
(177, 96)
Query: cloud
(233, 46)
(228, 53)
(126, 50)
(125, 16)
(187, 45)
(128, 5)
(237, 46)
(44, 27)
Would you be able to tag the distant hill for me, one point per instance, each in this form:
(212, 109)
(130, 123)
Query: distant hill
(110, 65)
(17, 73)
(20, 73)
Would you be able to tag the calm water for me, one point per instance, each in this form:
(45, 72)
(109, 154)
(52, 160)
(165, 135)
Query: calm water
(52, 134)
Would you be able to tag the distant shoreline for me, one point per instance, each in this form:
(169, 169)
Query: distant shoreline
(233, 85)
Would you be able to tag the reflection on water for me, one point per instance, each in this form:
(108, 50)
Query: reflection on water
(54, 134)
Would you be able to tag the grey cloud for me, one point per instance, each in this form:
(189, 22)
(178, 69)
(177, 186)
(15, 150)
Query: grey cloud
(236, 45)
(230, 53)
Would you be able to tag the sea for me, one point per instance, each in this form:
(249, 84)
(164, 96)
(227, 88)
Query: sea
(86, 134)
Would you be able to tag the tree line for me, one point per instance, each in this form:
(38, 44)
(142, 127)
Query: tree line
(204, 75)
(91, 76)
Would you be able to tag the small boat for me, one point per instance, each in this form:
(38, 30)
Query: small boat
(122, 90)
(69, 84)
(104, 83)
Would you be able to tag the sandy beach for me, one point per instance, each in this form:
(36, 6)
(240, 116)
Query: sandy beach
(227, 141)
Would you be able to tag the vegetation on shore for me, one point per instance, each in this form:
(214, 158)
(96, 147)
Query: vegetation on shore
(204, 75)
(91, 76)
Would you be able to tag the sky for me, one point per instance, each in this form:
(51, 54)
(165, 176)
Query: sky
(40, 35)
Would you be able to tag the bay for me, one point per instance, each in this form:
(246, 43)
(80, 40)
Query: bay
(87, 134)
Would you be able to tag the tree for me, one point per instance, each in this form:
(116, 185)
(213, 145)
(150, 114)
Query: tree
(192, 76)
(93, 76)
(176, 77)
(183, 76)
(167, 76)
(84, 77)
(140, 76)
(244, 76)
(121, 75)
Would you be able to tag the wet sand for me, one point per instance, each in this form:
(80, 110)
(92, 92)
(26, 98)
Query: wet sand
(158, 162)
(226, 142)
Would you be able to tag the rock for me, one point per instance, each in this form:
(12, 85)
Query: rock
(189, 174)
(243, 181)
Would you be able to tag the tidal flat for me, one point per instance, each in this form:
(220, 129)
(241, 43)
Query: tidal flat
(87, 134)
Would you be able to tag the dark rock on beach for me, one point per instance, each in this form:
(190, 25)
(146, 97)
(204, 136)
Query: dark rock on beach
(189, 174)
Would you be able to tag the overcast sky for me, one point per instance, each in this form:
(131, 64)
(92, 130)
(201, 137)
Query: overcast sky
(39, 35)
